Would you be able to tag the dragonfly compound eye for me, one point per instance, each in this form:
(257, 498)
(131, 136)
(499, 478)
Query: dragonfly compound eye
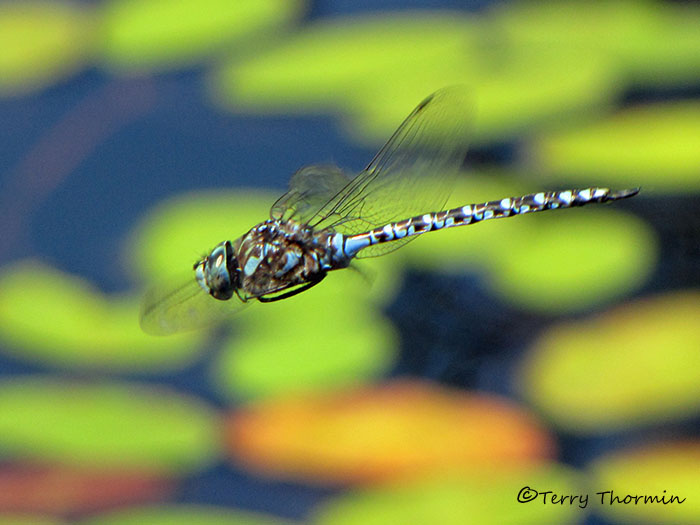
(217, 274)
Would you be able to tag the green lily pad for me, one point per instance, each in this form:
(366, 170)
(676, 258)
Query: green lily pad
(663, 471)
(576, 260)
(178, 232)
(110, 425)
(650, 42)
(323, 339)
(514, 90)
(304, 72)
(183, 514)
(41, 42)
(390, 63)
(160, 34)
(481, 496)
(58, 319)
(628, 367)
(655, 146)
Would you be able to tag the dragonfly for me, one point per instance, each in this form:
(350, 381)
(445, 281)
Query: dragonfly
(326, 220)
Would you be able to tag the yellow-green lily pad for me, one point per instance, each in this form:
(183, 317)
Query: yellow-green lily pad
(58, 319)
(159, 34)
(178, 232)
(41, 42)
(392, 62)
(514, 90)
(110, 425)
(579, 259)
(651, 42)
(323, 339)
(631, 366)
(656, 484)
(655, 146)
(182, 515)
(477, 496)
(323, 66)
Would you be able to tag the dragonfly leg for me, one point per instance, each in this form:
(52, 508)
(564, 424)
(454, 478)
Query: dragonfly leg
(292, 293)
(241, 297)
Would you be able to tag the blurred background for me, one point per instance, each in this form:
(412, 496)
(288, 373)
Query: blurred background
(558, 351)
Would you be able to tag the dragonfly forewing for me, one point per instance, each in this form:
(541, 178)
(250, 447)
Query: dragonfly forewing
(166, 309)
(413, 173)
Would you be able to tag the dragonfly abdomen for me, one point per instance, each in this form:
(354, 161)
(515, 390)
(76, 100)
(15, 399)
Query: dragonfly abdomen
(472, 213)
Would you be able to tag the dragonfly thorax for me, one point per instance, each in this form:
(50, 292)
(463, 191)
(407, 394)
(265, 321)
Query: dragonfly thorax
(276, 255)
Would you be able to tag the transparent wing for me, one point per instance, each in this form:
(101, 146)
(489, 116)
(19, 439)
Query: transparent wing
(310, 189)
(167, 310)
(412, 174)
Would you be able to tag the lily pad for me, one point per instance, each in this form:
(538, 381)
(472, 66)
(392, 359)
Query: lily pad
(514, 90)
(304, 72)
(28, 519)
(664, 475)
(656, 146)
(175, 234)
(484, 496)
(183, 515)
(396, 431)
(62, 490)
(579, 259)
(58, 319)
(109, 425)
(42, 42)
(160, 34)
(392, 62)
(650, 42)
(631, 366)
(322, 339)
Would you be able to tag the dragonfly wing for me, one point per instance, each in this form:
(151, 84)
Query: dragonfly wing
(412, 174)
(310, 189)
(166, 310)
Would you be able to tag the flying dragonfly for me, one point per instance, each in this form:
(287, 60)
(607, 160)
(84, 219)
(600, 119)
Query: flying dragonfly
(327, 219)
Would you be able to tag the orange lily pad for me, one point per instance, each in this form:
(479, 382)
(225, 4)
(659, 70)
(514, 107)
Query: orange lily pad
(62, 490)
(399, 430)
(28, 519)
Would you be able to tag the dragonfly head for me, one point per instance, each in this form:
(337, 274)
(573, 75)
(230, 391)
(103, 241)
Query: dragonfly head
(217, 274)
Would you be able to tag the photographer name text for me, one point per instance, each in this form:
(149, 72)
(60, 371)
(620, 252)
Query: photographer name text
(605, 497)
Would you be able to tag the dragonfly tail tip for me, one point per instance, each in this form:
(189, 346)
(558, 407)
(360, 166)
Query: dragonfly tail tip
(624, 194)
